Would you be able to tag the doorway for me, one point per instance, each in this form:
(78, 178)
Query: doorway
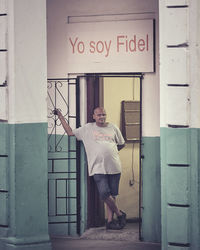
(111, 91)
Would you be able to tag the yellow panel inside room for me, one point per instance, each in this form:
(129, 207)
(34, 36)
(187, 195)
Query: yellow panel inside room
(114, 90)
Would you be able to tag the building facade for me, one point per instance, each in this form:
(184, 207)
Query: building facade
(35, 45)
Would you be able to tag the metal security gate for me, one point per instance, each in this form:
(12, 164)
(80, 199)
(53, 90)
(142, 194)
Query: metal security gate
(63, 159)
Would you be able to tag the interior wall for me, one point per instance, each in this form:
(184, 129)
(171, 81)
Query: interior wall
(116, 90)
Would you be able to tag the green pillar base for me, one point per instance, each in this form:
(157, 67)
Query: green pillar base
(24, 223)
(25, 243)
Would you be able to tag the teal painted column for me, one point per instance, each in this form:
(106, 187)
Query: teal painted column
(180, 188)
(151, 190)
(27, 207)
(175, 168)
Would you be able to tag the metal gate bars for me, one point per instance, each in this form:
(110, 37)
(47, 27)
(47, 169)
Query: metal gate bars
(63, 159)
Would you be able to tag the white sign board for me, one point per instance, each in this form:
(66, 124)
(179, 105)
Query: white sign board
(110, 47)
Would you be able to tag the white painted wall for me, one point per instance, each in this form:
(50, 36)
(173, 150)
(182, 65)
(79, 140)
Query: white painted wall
(180, 26)
(27, 61)
(180, 106)
(62, 11)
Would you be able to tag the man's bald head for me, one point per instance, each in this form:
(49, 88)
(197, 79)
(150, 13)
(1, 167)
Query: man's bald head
(100, 116)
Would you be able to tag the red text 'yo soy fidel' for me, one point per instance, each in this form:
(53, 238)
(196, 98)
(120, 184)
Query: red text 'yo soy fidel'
(121, 44)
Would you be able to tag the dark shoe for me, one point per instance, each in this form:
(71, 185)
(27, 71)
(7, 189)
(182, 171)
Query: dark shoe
(113, 225)
(122, 219)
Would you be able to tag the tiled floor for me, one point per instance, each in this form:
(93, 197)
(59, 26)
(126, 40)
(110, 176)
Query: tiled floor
(130, 232)
(100, 238)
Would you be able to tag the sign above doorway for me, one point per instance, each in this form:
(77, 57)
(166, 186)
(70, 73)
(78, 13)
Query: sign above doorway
(110, 47)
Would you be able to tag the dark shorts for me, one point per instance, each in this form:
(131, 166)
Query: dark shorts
(107, 184)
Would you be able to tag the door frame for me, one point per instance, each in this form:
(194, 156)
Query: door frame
(93, 94)
(95, 206)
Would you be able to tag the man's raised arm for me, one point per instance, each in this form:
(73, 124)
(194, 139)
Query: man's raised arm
(65, 125)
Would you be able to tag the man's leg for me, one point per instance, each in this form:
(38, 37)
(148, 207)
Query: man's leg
(110, 213)
(104, 192)
(113, 182)
(111, 208)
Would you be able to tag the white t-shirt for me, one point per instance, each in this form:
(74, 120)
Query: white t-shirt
(101, 147)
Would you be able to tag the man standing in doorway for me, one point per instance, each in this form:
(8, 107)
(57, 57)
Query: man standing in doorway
(102, 142)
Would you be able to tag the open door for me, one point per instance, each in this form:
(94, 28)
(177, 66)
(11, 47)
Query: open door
(96, 215)
(110, 91)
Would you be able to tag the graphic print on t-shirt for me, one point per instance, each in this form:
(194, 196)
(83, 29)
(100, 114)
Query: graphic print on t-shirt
(99, 136)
